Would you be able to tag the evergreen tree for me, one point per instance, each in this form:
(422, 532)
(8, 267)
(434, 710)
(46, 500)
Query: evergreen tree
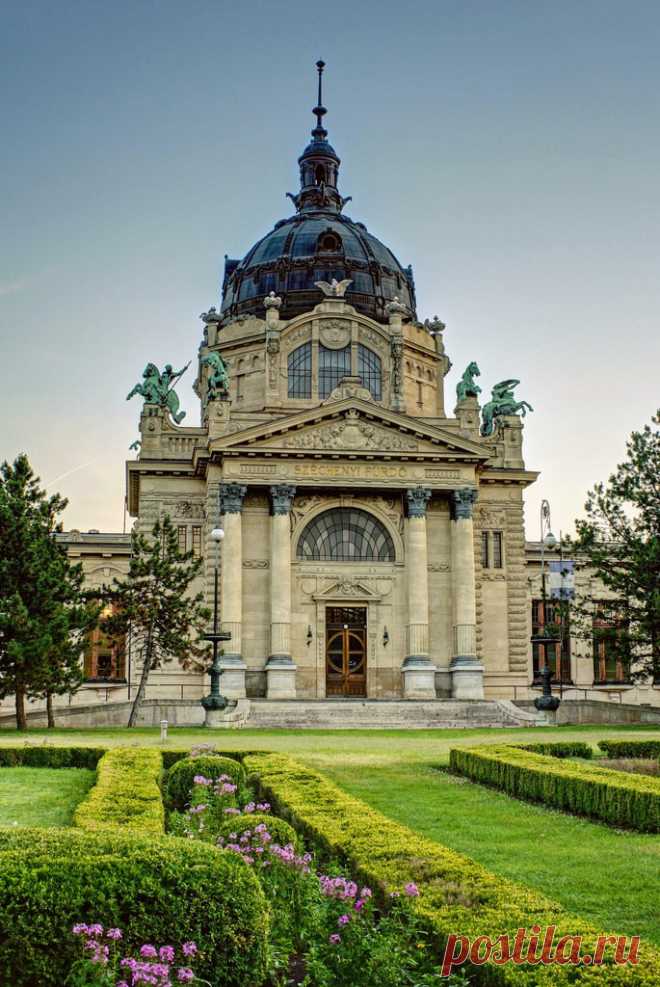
(43, 612)
(619, 540)
(153, 603)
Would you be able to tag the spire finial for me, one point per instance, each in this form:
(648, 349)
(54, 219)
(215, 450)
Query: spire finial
(319, 132)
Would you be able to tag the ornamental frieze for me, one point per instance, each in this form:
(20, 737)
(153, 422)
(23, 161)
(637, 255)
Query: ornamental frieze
(335, 333)
(351, 432)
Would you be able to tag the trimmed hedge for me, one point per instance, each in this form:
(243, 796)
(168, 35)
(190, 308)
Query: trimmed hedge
(631, 748)
(281, 831)
(158, 890)
(180, 783)
(631, 801)
(126, 794)
(568, 748)
(46, 756)
(457, 895)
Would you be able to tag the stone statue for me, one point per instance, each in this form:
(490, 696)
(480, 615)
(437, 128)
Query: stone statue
(217, 383)
(467, 386)
(502, 402)
(211, 317)
(434, 326)
(157, 388)
(335, 289)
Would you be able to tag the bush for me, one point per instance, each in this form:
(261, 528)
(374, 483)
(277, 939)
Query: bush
(126, 794)
(279, 829)
(45, 756)
(456, 893)
(161, 890)
(632, 801)
(631, 748)
(568, 748)
(180, 777)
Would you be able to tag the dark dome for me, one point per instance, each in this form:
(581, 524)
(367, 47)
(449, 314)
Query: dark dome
(316, 245)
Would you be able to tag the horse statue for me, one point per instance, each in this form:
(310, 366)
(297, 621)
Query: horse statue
(217, 383)
(502, 402)
(157, 388)
(467, 387)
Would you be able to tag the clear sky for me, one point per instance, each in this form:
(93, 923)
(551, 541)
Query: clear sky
(509, 150)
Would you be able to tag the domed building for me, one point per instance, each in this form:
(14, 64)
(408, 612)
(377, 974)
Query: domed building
(373, 546)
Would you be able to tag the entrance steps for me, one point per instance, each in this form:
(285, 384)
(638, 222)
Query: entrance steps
(384, 714)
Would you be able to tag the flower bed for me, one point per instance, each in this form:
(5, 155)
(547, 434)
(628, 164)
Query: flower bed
(456, 895)
(631, 801)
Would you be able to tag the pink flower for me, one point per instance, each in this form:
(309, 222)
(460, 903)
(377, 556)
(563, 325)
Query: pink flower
(114, 934)
(365, 893)
(148, 951)
(343, 920)
(201, 780)
(335, 939)
(80, 929)
(412, 890)
(167, 953)
(184, 974)
(189, 948)
(359, 905)
(95, 930)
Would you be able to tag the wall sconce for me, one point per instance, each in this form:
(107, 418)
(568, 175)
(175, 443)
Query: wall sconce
(309, 634)
(386, 636)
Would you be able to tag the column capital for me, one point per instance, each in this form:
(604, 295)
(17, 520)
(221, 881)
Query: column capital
(281, 498)
(417, 499)
(231, 498)
(462, 502)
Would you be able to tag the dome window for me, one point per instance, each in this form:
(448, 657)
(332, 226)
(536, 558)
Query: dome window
(329, 243)
(319, 175)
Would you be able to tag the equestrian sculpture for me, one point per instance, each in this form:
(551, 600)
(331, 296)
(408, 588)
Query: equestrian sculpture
(502, 402)
(157, 388)
(467, 386)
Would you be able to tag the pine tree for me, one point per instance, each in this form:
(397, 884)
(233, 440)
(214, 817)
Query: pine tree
(153, 604)
(43, 612)
(619, 539)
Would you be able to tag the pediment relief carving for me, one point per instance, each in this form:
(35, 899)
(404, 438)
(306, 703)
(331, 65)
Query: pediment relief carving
(351, 431)
(348, 589)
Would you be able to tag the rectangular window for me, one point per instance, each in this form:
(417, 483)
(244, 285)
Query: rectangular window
(197, 540)
(182, 532)
(105, 656)
(610, 648)
(333, 365)
(299, 370)
(485, 553)
(497, 549)
(550, 641)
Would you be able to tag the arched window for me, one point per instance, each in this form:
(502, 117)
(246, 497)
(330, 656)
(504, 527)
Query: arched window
(319, 175)
(299, 370)
(370, 370)
(333, 365)
(329, 243)
(346, 534)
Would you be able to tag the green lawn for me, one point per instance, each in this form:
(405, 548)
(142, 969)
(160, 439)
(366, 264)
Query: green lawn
(42, 796)
(610, 877)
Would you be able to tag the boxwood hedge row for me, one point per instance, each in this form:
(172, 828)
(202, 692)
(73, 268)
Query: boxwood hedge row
(631, 748)
(627, 800)
(566, 748)
(160, 890)
(457, 895)
(47, 756)
(126, 794)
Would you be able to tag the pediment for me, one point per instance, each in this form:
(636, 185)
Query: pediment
(347, 589)
(354, 427)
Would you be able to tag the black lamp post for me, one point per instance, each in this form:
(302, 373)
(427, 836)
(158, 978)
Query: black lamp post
(215, 700)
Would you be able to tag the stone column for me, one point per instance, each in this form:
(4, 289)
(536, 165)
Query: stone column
(232, 680)
(418, 672)
(280, 669)
(467, 672)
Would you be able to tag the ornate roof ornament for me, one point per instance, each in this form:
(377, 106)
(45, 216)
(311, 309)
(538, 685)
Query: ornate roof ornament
(335, 289)
(210, 318)
(272, 301)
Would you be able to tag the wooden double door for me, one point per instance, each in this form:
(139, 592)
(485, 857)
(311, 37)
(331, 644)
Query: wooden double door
(346, 651)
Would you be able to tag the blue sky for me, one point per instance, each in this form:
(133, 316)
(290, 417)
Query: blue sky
(510, 151)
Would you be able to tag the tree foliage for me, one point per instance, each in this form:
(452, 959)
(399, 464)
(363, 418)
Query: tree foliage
(620, 540)
(154, 605)
(44, 614)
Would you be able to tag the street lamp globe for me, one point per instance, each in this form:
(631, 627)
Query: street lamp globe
(217, 534)
(550, 541)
